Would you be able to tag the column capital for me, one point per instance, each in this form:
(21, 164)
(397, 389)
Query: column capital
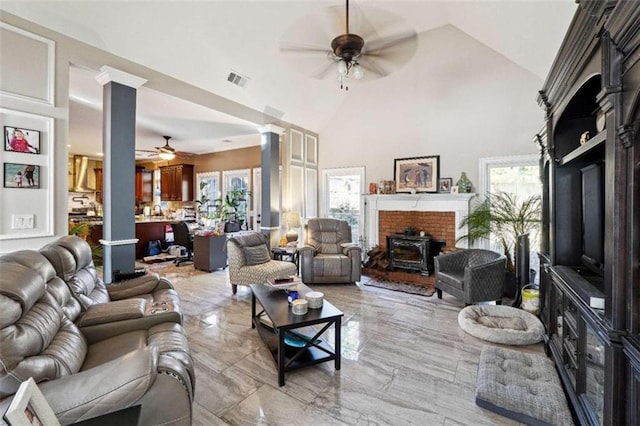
(272, 128)
(109, 74)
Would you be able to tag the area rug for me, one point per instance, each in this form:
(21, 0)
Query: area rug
(398, 286)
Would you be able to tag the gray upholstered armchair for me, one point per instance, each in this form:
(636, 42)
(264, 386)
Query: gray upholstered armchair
(472, 275)
(329, 256)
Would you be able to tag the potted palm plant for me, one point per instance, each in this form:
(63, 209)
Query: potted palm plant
(504, 217)
(233, 208)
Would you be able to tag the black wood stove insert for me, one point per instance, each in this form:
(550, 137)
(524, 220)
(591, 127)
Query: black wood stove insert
(413, 253)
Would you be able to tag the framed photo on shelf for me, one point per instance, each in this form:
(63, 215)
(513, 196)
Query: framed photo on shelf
(419, 174)
(29, 407)
(21, 176)
(454, 189)
(444, 185)
(18, 139)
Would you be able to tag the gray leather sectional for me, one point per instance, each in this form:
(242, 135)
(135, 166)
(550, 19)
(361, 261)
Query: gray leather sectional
(93, 349)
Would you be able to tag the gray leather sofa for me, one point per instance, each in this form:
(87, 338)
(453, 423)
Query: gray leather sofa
(72, 259)
(329, 256)
(145, 366)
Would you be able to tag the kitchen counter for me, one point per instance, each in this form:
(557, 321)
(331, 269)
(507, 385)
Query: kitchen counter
(147, 229)
(97, 220)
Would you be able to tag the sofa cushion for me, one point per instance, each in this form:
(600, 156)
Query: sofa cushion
(256, 255)
(332, 265)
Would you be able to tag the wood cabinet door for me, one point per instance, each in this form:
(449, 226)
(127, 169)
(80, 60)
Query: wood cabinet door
(167, 183)
(144, 186)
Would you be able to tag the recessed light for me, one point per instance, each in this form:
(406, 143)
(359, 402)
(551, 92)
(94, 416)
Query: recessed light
(227, 140)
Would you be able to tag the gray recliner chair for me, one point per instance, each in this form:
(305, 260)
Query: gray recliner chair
(329, 256)
(82, 378)
(471, 275)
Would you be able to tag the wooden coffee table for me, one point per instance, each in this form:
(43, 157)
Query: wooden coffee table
(275, 323)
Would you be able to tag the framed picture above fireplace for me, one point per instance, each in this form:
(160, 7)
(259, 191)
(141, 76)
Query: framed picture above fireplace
(417, 174)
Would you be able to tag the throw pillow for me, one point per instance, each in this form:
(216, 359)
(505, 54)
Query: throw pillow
(256, 255)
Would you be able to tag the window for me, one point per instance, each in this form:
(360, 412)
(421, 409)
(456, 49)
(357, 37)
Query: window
(211, 190)
(234, 180)
(518, 175)
(342, 190)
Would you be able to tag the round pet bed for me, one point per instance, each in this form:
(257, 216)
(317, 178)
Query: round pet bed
(501, 324)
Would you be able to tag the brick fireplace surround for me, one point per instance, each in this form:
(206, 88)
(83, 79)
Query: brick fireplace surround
(438, 215)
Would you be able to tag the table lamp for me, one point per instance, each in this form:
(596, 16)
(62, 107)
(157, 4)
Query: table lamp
(292, 219)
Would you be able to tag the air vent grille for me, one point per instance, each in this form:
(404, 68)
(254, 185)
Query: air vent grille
(237, 79)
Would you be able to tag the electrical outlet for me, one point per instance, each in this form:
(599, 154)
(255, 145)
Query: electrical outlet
(22, 221)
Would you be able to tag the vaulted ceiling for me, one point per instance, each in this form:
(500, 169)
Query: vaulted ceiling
(201, 42)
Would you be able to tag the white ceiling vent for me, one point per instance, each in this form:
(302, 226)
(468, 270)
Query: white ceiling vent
(237, 79)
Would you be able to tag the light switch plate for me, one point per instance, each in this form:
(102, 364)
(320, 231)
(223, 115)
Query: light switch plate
(22, 221)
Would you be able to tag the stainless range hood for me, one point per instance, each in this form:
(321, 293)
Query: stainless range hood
(80, 174)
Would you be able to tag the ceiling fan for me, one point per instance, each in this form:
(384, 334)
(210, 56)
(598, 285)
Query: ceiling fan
(378, 50)
(165, 152)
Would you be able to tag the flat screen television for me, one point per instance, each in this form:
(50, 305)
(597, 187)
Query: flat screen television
(593, 217)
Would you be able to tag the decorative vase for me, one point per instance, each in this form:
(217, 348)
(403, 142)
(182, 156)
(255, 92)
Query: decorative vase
(464, 184)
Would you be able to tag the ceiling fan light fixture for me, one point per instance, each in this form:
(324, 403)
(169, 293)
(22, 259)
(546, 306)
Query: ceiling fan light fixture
(357, 71)
(167, 155)
(343, 69)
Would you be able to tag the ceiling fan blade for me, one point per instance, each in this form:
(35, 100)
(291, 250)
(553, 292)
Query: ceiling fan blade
(406, 40)
(302, 48)
(324, 71)
(371, 67)
(359, 22)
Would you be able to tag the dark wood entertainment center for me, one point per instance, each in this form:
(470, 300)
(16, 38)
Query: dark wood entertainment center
(590, 278)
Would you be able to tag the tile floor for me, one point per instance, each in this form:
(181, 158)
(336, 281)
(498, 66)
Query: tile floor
(404, 361)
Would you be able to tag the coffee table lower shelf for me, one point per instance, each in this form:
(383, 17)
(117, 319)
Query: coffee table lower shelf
(294, 357)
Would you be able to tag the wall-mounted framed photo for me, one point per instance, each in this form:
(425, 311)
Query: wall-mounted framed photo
(444, 185)
(29, 407)
(18, 139)
(21, 176)
(419, 174)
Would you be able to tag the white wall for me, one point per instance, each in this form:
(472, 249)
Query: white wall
(456, 98)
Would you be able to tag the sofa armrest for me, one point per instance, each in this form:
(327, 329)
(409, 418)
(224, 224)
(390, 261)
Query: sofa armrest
(113, 311)
(145, 284)
(307, 251)
(101, 390)
(351, 250)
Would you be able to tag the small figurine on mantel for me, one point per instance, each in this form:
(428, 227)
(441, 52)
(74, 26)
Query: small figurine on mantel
(464, 184)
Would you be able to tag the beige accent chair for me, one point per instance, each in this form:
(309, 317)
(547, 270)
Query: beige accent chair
(250, 261)
(329, 256)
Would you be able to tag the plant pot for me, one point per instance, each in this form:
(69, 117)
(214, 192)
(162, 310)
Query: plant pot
(510, 288)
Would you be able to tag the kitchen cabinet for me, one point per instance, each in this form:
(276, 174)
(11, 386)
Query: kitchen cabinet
(143, 182)
(144, 185)
(176, 183)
